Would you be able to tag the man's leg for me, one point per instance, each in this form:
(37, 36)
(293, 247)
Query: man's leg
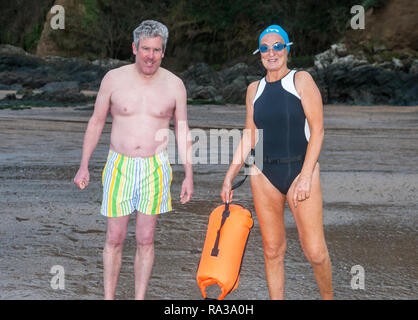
(144, 258)
(112, 253)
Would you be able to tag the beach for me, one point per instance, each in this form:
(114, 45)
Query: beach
(369, 180)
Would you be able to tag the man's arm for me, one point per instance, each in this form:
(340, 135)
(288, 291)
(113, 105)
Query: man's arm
(94, 130)
(184, 140)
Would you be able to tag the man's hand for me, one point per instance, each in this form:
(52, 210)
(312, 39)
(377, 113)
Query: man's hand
(186, 190)
(82, 178)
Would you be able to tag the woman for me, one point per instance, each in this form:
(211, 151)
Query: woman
(287, 106)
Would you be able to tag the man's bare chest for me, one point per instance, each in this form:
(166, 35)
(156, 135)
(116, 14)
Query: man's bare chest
(155, 102)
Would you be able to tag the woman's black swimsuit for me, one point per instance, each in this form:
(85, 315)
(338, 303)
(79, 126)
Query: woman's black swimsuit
(285, 132)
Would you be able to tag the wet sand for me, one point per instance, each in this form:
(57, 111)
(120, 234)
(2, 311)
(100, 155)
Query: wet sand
(369, 178)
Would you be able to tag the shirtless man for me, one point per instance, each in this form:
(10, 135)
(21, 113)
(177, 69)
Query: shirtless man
(142, 98)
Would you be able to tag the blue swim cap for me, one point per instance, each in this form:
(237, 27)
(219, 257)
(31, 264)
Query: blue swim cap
(275, 29)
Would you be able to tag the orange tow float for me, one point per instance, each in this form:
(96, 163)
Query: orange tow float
(223, 251)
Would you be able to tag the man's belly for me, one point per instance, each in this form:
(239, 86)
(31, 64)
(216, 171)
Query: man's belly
(138, 142)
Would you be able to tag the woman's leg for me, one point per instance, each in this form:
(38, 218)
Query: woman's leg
(269, 205)
(308, 217)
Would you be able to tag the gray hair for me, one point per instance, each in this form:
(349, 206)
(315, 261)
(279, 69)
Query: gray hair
(150, 29)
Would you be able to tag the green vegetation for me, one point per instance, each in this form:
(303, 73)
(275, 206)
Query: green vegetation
(215, 32)
(301, 62)
(389, 55)
(31, 39)
(22, 21)
(374, 4)
(91, 13)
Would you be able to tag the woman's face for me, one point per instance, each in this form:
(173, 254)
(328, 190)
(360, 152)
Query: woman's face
(273, 60)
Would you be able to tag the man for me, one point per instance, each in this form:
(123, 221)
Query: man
(142, 98)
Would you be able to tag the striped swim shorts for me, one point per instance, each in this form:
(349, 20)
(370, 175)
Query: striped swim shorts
(136, 184)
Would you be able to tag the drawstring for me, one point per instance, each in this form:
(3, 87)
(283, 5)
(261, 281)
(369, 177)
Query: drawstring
(239, 183)
(225, 215)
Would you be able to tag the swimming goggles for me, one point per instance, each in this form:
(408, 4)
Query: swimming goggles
(278, 46)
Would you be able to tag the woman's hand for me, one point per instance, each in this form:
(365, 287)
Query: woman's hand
(227, 192)
(302, 190)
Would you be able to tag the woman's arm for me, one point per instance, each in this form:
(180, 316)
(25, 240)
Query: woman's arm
(313, 108)
(248, 141)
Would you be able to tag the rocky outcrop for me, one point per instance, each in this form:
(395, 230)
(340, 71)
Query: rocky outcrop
(51, 78)
(342, 78)
(78, 31)
(227, 86)
(345, 78)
